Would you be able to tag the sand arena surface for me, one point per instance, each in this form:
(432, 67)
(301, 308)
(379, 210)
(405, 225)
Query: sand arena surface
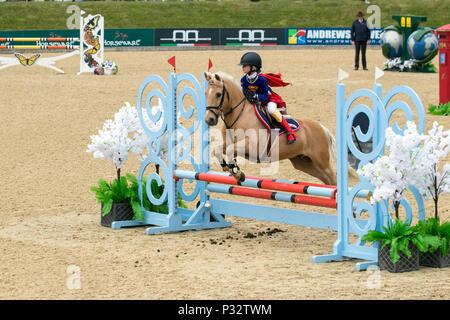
(50, 220)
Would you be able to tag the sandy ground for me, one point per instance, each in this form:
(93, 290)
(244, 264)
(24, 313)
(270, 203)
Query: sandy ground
(50, 220)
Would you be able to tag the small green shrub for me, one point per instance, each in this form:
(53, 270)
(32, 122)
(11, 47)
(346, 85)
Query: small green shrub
(442, 109)
(127, 190)
(397, 235)
(434, 234)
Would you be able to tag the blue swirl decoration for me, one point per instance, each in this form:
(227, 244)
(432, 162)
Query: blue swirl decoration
(403, 106)
(377, 117)
(154, 134)
(184, 135)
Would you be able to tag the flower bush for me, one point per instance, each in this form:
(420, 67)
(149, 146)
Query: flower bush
(114, 142)
(430, 181)
(396, 64)
(392, 174)
(413, 159)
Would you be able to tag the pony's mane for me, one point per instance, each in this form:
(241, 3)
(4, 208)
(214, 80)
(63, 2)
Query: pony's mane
(230, 78)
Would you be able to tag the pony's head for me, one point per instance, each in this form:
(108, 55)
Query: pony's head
(215, 98)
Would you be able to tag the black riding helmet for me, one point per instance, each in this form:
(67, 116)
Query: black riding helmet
(251, 59)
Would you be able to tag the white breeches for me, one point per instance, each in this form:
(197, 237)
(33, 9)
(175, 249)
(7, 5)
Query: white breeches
(271, 107)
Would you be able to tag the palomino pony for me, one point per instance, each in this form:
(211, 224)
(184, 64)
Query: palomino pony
(311, 153)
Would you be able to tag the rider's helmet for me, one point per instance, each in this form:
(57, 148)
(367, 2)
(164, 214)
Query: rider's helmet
(251, 59)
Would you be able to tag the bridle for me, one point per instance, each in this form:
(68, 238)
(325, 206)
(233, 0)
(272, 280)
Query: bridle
(219, 108)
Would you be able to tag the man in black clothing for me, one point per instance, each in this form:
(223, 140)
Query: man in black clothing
(360, 38)
(362, 121)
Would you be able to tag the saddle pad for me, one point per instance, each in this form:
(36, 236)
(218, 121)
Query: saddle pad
(294, 124)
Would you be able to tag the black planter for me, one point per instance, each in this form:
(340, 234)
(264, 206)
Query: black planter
(119, 212)
(403, 264)
(434, 259)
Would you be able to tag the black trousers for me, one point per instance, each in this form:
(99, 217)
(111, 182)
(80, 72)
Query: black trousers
(360, 46)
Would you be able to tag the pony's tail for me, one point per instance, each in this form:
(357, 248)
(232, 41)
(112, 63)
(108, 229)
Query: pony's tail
(333, 153)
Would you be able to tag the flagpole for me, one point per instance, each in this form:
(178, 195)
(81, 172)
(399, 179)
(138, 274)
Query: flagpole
(378, 74)
(171, 61)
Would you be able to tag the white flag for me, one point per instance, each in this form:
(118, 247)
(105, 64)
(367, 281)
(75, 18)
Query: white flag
(378, 73)
(342, 75)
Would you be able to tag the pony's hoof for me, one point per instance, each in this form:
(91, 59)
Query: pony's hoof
(241, 177)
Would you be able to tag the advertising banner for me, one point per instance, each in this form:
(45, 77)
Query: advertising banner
(326, 36)
(113, 37)
(252, 36)
(187, 37)
(196, 37)
(129, 37)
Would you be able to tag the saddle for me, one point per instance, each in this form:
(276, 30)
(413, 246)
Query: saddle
(274, 80)
(264, 116)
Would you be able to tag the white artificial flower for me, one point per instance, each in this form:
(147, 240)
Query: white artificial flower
(122, 135)
(430, 181)
(409, 63)
(413, 160)
(391, 174)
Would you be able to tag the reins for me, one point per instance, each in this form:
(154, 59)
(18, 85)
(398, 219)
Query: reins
(219, 108)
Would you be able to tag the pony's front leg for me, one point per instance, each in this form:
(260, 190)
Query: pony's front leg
(232, 151)
(226, 150)
(230, 164)
(219, 152)
(218, 146)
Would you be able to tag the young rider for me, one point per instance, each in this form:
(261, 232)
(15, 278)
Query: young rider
(256, 89)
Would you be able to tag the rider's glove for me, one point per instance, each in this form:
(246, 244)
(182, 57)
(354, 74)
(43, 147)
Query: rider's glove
(251, 96)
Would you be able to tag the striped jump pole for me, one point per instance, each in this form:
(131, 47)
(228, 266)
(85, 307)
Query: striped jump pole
(39, 47)
(40, 39)
(311, 188)
(255, 182)
(272, 195)
(266, 183)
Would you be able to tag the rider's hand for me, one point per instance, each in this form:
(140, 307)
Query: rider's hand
(251, 96)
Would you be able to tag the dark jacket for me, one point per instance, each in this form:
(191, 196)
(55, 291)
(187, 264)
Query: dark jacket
(260, 87)
(360, 31)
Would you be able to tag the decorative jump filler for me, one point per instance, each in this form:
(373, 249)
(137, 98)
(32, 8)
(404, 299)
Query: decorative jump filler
(90, 47)
(407, 46)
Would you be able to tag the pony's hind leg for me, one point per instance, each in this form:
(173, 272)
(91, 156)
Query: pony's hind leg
(330, 174)
(321, 172)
